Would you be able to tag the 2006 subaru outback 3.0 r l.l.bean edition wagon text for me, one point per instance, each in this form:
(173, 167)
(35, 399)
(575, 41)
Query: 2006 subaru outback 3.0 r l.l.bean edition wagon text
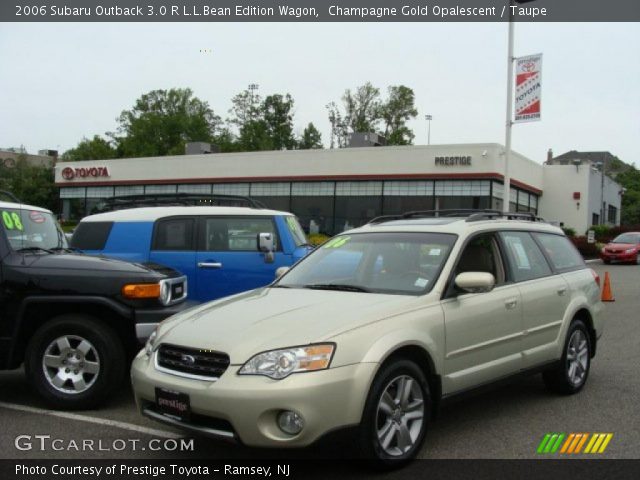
(375, 328)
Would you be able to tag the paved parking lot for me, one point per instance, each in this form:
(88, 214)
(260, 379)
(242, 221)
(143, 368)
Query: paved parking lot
(505, 423)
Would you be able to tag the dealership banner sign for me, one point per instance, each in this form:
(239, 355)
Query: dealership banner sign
(528, 88)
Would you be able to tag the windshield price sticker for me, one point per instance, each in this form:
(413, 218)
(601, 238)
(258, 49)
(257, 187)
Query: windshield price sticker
(337, 242)
(12, 221)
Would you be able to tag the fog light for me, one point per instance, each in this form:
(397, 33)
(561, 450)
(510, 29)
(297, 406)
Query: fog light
(290, 422)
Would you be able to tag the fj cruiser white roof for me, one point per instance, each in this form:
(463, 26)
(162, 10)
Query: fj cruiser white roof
(23, 206)
(150, 214)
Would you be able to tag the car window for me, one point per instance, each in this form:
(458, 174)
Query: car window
(31, 229)
(236, 233)
(482, 254)
(174, 234)
(91, 235)
(395, 263)
(296, 231)
(626, 238)
(525, 258)
(560, 251)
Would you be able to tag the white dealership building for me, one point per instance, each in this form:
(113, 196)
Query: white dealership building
(332, 190)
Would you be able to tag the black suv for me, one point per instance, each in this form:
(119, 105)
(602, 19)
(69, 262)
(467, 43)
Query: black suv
(74, 320)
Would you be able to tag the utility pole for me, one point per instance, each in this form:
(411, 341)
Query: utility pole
(428, 118)
(506, 196)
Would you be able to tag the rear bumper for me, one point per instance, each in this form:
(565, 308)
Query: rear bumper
(148, 319)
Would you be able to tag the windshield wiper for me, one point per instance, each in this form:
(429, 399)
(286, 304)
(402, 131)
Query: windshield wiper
(34, 249)
(337, 286)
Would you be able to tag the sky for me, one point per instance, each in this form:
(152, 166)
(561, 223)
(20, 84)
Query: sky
(61, 82)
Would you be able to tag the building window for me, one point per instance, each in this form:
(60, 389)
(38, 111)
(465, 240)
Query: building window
(595, 219)
(355, 211)
(612, 215)
(396, 205)
(468, 188)
(408, 189)
(358, 189)
(232, 189)
(74, 192)
(315, 213)
(279, 189)
(202, 189)
(159, 189)
(99, 192)
(129, 190)
(312, 189)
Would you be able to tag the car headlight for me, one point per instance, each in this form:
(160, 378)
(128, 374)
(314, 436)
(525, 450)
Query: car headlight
(278, 364)
(165, 293)
(630, 250)
(148, 347)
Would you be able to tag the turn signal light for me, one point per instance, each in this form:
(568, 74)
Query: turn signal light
(143, 290)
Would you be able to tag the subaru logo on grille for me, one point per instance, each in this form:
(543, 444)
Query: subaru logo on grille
(188, 359)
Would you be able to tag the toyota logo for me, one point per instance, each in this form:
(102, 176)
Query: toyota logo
(529, 67)
(188, 359)
(68, 173)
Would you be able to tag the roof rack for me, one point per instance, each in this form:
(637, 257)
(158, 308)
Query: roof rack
(10, 196)
(472, 215)
(124, 202)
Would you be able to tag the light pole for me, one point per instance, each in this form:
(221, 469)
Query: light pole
(506, 196)
(428, 118)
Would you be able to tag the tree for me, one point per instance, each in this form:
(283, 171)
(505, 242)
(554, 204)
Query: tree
(32, 184)
(162, 121)
(311, 138)
(630, 180)
(95, 149)
(363, 110)
(395, 112)
(277, 112)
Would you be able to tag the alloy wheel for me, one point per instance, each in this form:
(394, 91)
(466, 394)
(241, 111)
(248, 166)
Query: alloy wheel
(71, 364)
(400, 415)
(577, 358)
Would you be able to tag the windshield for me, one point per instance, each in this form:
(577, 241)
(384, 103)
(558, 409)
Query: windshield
(396, 263)
(31, 229)
(627, 238)
(296, 231)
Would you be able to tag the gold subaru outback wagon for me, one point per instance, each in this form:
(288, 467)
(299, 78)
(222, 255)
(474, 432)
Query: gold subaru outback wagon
(374, 329)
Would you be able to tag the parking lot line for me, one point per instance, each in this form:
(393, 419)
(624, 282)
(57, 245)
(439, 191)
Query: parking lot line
(97, 420)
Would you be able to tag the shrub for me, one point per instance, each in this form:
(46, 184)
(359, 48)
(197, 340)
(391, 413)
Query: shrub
(586, 249)
(316, 239)
(569, 232)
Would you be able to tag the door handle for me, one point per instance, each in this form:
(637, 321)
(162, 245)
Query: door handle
(209, 265)
(561, 291)
(511, 303)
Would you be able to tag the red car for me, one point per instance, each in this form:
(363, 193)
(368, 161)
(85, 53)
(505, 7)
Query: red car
(624, 248)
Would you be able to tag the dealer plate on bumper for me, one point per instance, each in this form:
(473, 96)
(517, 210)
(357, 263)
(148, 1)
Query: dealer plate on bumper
(173, 404)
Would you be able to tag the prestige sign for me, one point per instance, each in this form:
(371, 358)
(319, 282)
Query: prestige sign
(69, 173)
(453, 161)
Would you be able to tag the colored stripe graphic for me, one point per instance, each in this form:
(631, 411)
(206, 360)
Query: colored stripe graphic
(574, 443)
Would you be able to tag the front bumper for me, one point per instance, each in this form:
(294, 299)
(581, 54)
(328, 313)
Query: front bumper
(148, 319)
(249, 405)
(618, 257)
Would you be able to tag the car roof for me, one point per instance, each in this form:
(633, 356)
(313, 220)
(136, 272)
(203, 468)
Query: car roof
(150, 214)
(456, 225)
(23, 206)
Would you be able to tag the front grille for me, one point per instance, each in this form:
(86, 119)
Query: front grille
(191, 361)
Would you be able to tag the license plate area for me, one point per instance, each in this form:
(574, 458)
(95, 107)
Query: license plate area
(173, 404)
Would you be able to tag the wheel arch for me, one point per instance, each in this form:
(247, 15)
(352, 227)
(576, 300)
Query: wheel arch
(584, 314)
(36, 311)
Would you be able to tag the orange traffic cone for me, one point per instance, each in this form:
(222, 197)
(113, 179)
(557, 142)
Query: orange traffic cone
(607, 295)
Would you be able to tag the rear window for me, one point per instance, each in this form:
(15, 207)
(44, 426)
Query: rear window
(91, 235)
(236, 233)
(560, 251)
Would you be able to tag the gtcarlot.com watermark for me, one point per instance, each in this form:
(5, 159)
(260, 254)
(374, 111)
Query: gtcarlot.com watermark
(47, 443)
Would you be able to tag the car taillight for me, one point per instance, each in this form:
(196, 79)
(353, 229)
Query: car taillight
(596, 277)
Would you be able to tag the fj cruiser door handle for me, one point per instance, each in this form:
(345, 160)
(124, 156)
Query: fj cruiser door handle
(209, 265)
(562, 291)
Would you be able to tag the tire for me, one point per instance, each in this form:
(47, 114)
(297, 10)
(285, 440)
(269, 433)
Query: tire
(75, 362)
(402, 426)
(571, 375)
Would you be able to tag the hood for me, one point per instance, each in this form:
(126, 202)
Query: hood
(621, 246)
(270, 318)
(71, 261)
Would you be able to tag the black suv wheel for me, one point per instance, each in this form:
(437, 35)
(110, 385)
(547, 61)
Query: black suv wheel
(75, 362)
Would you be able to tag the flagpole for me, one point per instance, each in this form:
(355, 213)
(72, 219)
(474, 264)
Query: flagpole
(506, 196)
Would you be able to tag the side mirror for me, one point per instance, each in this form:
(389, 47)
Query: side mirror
(475, 282)
(265, 245)
(281, 271)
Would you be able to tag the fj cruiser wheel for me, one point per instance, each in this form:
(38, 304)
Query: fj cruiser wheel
(396, 414)
(570, 376)
(75, 362)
